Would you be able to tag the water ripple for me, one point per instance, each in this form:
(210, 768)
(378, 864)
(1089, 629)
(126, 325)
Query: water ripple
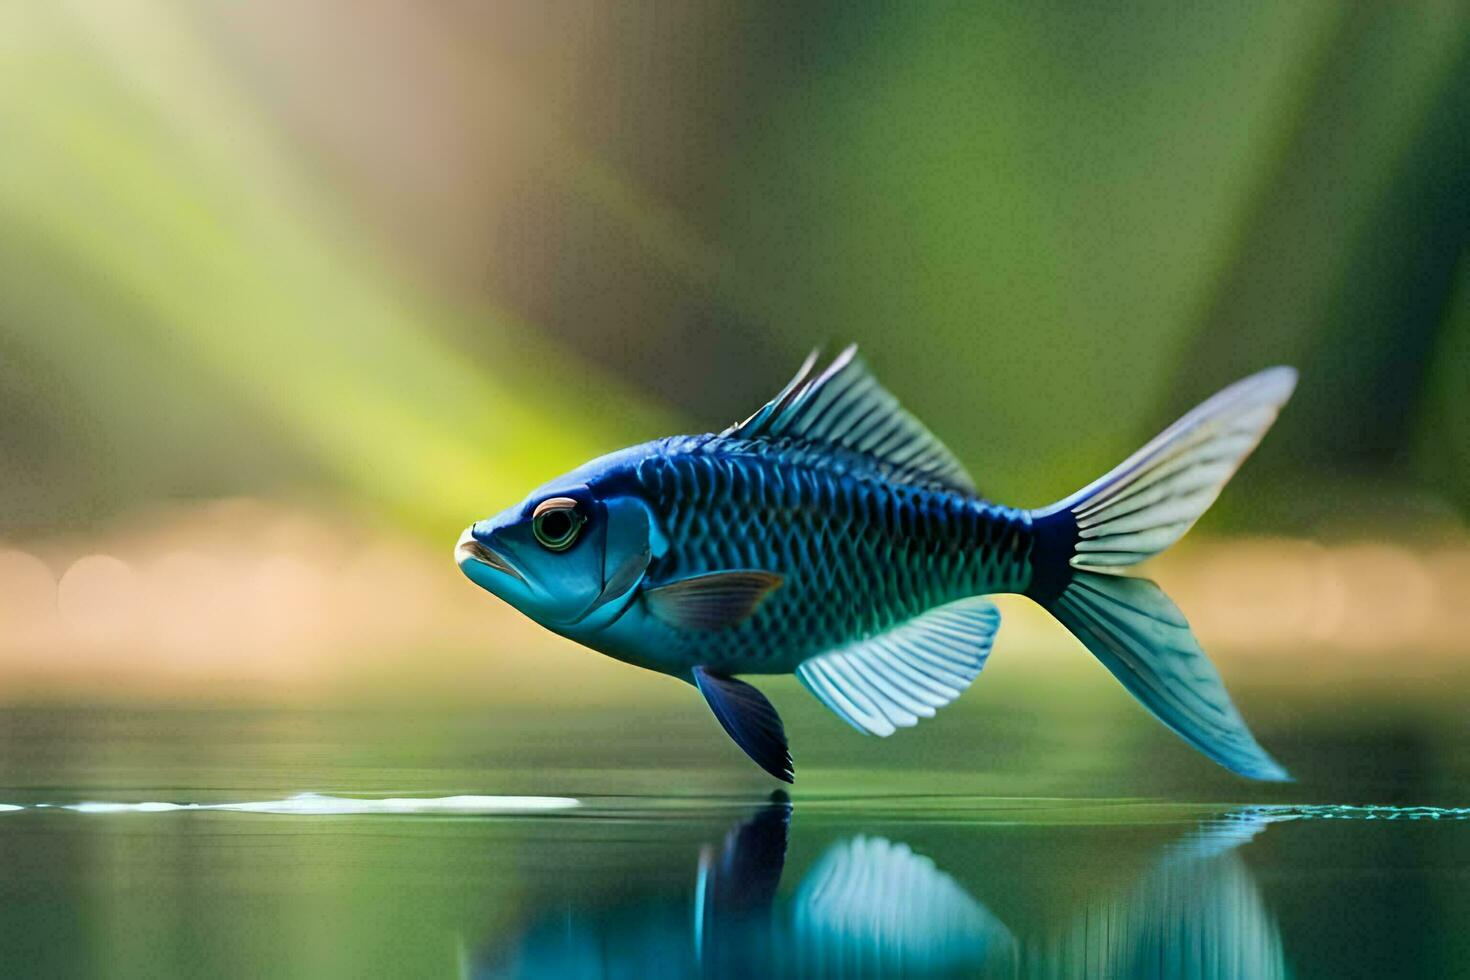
(1241, 822)
(1347, 811)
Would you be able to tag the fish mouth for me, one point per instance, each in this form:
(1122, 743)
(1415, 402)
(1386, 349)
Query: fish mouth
(470, 549)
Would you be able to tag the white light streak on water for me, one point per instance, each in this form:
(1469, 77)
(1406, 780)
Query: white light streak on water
(316, 804)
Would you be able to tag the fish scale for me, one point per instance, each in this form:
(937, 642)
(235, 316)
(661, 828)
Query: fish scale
(859, 554)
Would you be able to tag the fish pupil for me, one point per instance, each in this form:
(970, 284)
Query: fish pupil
(556, 529)
(556, 524)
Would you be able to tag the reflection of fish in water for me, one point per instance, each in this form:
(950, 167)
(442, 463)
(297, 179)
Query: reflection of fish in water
(867, 908)
(1195, 914)
(873, 908)
(832, 536)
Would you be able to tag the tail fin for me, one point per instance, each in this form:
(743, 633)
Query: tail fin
(1139, 635)
(1147, 503)
(1133, 513)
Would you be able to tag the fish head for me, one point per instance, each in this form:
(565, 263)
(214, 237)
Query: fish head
(566, 556)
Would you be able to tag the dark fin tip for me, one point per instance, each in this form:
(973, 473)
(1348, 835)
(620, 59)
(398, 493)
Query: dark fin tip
(750, 720)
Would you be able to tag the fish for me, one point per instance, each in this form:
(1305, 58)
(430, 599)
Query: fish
(832, 536)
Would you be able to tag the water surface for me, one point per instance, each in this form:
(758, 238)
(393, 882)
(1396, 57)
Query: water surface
(149, 841)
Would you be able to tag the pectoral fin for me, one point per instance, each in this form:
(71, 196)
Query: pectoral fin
(749, 719)
(711, 601)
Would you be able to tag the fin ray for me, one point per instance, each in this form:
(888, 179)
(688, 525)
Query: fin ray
(877, 904)
(1146, 643)
(845, 406)
(713, 600)
(871, 684)
(1153, 497)
(833, 697)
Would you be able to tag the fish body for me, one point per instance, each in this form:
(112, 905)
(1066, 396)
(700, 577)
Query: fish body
(832, 536)
(857, 551)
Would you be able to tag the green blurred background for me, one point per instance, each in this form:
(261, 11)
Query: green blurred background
(291, 293)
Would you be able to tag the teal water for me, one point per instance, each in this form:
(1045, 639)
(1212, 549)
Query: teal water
(155, 842)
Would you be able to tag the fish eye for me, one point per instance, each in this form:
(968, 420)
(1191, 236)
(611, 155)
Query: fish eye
(556, 523)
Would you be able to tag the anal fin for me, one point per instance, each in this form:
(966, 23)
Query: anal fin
(750, 720)
(891, 680)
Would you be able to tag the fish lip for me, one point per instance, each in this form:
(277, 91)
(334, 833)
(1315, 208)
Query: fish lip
(471, 549)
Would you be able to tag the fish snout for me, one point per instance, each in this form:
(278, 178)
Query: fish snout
(462, 547)
(471, 551)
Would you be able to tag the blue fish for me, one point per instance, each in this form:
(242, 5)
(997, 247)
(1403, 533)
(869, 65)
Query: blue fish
(832, 536)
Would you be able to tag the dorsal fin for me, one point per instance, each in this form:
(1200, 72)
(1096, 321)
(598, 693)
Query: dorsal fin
(845, 406)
